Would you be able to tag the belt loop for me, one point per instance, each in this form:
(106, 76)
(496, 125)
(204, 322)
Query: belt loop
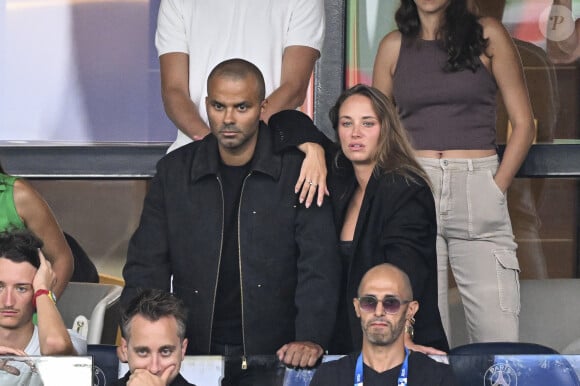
(470, 165)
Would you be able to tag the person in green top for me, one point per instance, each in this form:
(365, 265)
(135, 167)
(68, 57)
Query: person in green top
(21, 206)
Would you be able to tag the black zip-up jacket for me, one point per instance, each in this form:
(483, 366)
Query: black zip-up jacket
(289, 269)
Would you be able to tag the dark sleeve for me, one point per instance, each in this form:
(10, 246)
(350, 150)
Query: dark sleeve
(318, 274)
(336, 373)
(322, 377)
(181, 381)
(448, 378)
(292, 128)
(426, 371)
(409, 234)
(148, 264)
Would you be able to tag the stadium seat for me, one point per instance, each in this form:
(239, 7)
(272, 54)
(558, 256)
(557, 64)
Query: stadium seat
(105, 363)
(92, 310)
(510, 363)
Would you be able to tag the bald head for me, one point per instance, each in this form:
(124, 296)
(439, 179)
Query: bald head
(386, 274)
(238, 69)
(383, 324)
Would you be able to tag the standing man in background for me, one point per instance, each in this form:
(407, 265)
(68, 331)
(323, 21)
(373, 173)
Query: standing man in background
(282, 38)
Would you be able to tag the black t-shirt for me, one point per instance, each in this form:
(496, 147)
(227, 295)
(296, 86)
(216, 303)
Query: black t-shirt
(422, 371)
(227, 320)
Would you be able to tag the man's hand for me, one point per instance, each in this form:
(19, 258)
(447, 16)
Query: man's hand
(11, 351)
(312, 177)
(45, 277)
(142, 377)
(4, 366)
(422, 349)
(300, 354)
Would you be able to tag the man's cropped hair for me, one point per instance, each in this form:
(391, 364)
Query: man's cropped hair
(20, 246)
(238, 69)
(154, 304)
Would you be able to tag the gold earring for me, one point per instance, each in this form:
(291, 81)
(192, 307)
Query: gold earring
(409, 329)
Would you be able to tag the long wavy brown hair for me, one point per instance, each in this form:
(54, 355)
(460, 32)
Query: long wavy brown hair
(461, 33)
(395, 153)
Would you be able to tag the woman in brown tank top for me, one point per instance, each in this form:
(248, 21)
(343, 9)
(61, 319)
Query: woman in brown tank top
(469, 185)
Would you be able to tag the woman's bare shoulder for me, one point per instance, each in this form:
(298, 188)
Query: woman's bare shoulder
(26, 199)
(391, 42)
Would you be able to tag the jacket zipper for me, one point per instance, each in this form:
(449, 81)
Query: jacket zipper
(219, 263)
(244, 359)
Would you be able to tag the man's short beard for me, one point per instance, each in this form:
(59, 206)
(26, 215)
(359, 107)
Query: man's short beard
(381, 339)
(386, 339)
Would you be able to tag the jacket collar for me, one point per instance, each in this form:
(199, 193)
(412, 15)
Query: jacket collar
(365, 206)
(207, 158)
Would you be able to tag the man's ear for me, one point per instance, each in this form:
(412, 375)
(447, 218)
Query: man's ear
(263, 105)
(122, 351)
(356, 307)
(412, 309)
(184, 348)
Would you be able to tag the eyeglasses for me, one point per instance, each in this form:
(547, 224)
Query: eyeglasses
(391, 304)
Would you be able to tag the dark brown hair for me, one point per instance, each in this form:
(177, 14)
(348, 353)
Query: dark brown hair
(153, 304)
(395, 153)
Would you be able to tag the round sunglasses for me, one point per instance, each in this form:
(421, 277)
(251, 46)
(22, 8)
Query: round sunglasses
(391, 304)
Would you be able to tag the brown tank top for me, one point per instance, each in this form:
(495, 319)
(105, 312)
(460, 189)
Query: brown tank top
(443, 110)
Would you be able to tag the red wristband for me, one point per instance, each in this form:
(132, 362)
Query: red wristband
(41, 292)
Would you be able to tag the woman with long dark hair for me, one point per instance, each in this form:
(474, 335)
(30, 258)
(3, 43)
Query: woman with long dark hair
(384, 210)
(443, 67)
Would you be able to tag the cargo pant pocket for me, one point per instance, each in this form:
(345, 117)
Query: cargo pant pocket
(508, 268)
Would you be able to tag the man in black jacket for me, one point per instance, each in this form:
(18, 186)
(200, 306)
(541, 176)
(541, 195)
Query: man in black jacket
(256, 269)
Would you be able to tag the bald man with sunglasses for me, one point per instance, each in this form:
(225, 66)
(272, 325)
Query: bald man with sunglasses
(386, 309)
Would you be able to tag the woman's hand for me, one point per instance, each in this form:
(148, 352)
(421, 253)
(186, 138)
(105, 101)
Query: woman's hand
(312, 180)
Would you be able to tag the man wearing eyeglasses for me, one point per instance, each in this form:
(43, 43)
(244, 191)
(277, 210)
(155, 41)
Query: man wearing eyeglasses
(386, 308)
